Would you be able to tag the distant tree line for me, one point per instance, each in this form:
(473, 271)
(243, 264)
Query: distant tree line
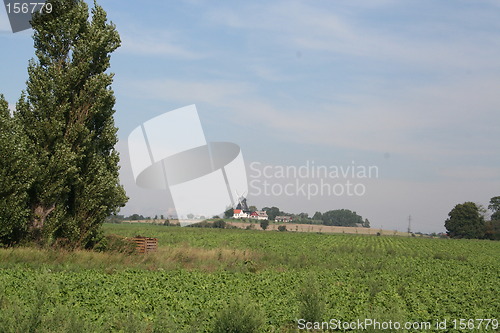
(468, 220)
(134, 217)
(338, 217)
(217, 224)
(342, 218)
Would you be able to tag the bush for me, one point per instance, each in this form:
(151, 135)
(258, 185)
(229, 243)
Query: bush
(240, 316)
(221, 224)
(264, 224)
(115, 243)
(202, 224)
(282, 228)
(311, 301)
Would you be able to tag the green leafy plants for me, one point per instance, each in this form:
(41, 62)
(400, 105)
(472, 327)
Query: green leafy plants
(186, 286)
(311, 302)
(240, 316)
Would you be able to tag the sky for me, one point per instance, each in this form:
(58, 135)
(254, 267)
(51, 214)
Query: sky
(408, 87)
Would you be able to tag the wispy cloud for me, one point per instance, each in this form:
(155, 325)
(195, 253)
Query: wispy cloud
(428, 121)
(456, 121)
(155, 43)
(347, 78)
(183, 91)
(268, 73)
(343, 30)
(436, 95)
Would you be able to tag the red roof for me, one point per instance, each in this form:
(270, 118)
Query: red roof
(254, 214)
(237, 211)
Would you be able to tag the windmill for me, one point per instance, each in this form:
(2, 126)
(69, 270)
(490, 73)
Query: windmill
(242, 203)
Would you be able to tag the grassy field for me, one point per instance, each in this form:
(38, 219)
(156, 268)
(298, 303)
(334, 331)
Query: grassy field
(277, 278)
(294, 227)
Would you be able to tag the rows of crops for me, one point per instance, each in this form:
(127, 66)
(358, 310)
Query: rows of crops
(387, 278)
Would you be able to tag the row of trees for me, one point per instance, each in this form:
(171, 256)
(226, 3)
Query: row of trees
(58, 165)
(468, 220)
(341, 217)
(338, 217)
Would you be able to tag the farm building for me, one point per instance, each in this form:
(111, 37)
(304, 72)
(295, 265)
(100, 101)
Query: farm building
(241, 211)
(259, 215)
(240, 214)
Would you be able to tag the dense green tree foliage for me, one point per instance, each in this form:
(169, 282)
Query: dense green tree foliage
(341, 217)
(493, 226)
(66, 116)
(220, 224)
(465, 221)
(272, 212)
(317, 216)
(135, 217)
(493, 230)
(229, 213)
(16, 176)
(494, 206)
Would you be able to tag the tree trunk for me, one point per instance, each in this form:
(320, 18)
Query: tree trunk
(40, 215)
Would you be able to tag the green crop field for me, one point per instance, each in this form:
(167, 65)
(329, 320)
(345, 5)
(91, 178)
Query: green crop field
(279, 276)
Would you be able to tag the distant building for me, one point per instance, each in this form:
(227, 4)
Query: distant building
(283, 219)
(259, 215)
(240, 214)
(241, 211)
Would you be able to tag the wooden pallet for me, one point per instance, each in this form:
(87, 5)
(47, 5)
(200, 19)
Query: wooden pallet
(145, 244)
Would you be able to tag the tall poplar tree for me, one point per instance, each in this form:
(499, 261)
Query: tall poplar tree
(16, 176)
(67, 116)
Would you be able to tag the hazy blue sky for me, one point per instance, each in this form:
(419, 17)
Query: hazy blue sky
(412, 87)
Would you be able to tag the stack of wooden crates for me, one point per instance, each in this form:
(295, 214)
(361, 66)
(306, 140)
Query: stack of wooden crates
(145, 244)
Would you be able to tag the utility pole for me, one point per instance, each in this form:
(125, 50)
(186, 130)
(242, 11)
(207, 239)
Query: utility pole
(409, 225)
